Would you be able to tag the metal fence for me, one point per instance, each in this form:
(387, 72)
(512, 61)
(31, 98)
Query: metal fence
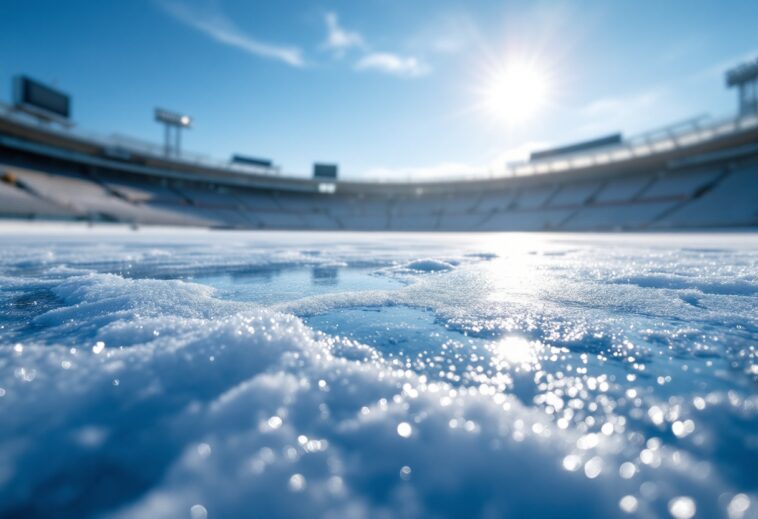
(676, 136)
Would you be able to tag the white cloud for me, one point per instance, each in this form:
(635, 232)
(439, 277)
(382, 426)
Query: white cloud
(338, 39)
(407, 66)
(218, 27)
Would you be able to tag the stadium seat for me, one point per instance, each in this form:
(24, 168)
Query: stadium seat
(732, 202)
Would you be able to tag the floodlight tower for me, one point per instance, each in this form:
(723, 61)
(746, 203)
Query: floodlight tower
(745, 77)
(172, 121)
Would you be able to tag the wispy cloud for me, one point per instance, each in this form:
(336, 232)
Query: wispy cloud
(389, 63)
(217, 26)
(339, 39)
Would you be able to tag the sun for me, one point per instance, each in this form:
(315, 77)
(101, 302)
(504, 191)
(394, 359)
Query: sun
(515, 92)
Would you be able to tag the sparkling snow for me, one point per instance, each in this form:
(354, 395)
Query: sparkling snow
(193, 374)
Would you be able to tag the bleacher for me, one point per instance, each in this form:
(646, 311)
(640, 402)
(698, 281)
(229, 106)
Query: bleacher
(731, 202)
(490, 202)
(616, 217)
(143, 193)
(711, 183)
(708, 196)
(534, 197)
(622, 189)
(17, 202)
(570, 195)
(680, 185)
(542, 220)
(76, 194)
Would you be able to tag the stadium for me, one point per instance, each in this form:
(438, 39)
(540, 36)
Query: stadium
(695, 174)
(395, 260)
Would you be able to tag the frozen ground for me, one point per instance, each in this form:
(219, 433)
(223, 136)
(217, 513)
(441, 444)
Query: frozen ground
(192, 374)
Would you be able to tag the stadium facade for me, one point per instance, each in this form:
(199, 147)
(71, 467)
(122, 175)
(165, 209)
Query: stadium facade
(695, 175)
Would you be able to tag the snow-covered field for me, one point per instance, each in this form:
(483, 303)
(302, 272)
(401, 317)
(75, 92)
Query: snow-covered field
(194, 374)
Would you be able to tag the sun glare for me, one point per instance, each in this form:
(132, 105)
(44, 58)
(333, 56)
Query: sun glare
(515, 93)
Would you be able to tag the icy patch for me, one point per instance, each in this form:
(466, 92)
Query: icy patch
(377, 391)
(223, 408)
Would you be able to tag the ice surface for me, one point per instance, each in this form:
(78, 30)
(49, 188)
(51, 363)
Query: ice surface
(193, 374)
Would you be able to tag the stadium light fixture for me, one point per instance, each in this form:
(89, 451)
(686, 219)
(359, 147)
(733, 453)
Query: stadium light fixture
(173, 122)
(745, 78)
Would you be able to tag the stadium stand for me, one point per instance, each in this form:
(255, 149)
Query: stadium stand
(141, 193)
(542, 220)
(534, 198)
(680, 185)
(571, 195)
(729, 204)
(17, 202)
(622, 189)
(616, 216)
(702, 179)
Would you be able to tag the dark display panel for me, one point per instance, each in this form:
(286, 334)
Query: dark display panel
(325, 171)
(31, 93)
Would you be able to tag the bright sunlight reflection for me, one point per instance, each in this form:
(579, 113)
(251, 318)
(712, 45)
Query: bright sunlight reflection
(516, 352)
(515, 92)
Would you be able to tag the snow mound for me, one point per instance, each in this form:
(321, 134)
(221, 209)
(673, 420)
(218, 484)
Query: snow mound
(429, 265)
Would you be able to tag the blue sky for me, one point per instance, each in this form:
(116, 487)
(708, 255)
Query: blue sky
(390, 88)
